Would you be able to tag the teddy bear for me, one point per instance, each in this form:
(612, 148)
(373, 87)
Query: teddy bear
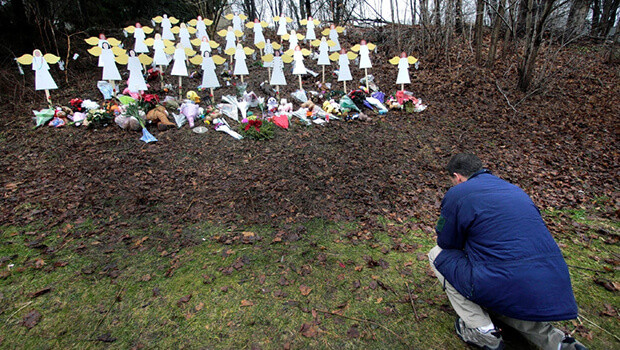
(159, 115)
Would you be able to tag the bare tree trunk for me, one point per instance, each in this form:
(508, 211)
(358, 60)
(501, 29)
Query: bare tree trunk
(412, 6)
(497, 25)
(437, 13)
(478, 31)
(424, 12)
(535, 24)
(308, 6)
(458, 21)
(576, 21)
(608, 19)
(596, 17)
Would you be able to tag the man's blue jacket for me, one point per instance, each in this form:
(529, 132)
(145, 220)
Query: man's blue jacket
(498, 253)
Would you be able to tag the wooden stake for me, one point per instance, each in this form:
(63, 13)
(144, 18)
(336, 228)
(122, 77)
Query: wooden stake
(300, 88)
(180, 87)
(367, 85)
(113, 87)
(345, 87)
(402, 87)
(241, 78)
(161, 76)
(48, 98)
(323, 74)
(212, 96)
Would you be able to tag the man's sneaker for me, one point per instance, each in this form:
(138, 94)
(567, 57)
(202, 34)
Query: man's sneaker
(490, 340)
(570, 343)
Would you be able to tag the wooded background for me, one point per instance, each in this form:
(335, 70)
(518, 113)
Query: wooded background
(522, 25)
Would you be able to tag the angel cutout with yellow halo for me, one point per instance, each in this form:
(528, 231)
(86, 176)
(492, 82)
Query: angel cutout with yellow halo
(310, 24)
(139, 34)
(179, 68)
(237, 20)
(241, 67)
(403, 63)
(293, 39)
(201, 27)
(184, 34)
(231, 40)
(207, 63)
(323, 46)
(135, 65)
(114, 43)
(344, 72)
(332, 32)
(277, 79)
(259, 38)
(108, 60)
(42, 78)
(166, 26)
(364, 49)
(231, 36)
(270, 50)
(159, 54)
(282, 21)
(205, 44)
(299, 68)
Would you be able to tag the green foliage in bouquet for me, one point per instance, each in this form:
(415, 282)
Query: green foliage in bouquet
(256, 129)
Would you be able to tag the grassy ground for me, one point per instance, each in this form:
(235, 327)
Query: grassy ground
(318, 285)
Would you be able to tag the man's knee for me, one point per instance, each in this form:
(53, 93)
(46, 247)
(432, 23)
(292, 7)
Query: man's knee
(432, 255)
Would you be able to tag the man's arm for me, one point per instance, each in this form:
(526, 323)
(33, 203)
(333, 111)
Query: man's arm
(449, 232)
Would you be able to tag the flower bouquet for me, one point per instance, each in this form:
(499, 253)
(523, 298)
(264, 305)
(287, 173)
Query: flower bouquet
(256, 129)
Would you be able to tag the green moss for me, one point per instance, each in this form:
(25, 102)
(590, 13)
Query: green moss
(323, 273)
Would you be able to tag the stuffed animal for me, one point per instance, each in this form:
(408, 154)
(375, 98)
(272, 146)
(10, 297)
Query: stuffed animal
(191, 111)
(159, 115)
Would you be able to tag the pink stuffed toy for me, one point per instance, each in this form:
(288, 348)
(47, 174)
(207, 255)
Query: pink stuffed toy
(190, 110)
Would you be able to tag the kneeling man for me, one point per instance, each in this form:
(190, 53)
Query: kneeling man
(494, 255)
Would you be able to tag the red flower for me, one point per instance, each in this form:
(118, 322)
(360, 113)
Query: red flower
(256, 123)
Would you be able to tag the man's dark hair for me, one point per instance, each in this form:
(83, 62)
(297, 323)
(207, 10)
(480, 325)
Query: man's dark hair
(465, 164)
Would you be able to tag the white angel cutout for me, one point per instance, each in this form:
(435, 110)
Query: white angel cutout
(231, 40)
(159, 54)
(310, 24)
(166, 26)
(364, 50)
(332, 32)
(293, 39)
(277, 62)
(344, 72)
(231, 36)
(282, 21)
(205, 44)
(201, 26)
(237, 20)
(258, 26)
(403, 63)
(136, 82)
(42, 78)
(94, 41)
(270, 49)
(299, 68)
(184, 34)
(324, 46)
(179, 68)
(108, 60)
(241, 67)
(139, 34)
(207, 63)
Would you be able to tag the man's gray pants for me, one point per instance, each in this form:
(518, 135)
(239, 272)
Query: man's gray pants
(541, 334)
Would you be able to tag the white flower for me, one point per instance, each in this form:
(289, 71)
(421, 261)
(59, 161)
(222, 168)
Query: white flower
(88, 104)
